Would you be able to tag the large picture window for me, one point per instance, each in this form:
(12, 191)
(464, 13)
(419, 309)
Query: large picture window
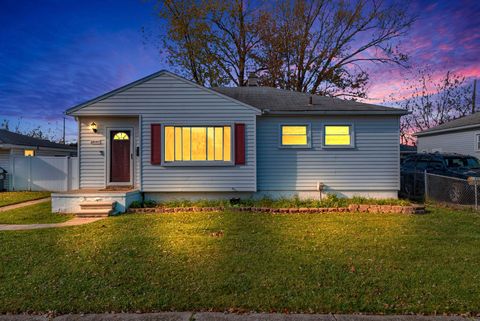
(338, 136)
(198, 143)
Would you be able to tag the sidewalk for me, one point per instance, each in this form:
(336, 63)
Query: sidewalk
(23, 204)
(73, 222)
(217, 316)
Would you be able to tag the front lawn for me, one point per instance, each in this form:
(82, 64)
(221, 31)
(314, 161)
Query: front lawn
(33, 214)
(343, 263)
(9, 198)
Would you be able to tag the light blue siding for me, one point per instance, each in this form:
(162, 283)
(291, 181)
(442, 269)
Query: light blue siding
(461, 142)
(168, 100)
(372, 165)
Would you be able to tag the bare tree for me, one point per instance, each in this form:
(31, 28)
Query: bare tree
(432, 102)
(322, 46)
(36, 132)
(210, 40)
(316, 46)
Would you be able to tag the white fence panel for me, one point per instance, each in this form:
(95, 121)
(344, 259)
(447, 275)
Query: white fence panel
(20, 174)
(44, 173)
(73, 170)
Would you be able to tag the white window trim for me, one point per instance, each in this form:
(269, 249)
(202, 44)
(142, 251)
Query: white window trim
(205, 163)
(477, 142)
(309, 136)
(352, 136)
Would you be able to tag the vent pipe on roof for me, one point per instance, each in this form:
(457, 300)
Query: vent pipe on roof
(310, 101)
(252, 80)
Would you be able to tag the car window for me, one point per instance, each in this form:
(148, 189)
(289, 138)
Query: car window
(427, 163)
(467, 162)
(422, 164)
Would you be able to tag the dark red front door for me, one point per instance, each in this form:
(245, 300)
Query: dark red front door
(120, 156)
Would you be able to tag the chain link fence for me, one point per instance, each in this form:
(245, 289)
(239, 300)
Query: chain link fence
(451, 190)
(441, 189)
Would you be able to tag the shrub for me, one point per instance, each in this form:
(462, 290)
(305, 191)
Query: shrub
(330, 200)
(136, 204)
(149, 203)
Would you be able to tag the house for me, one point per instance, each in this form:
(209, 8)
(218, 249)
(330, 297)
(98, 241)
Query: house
(13, 144)
(460, 136)
(164, 137)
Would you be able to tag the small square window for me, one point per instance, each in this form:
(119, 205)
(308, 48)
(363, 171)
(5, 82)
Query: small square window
(338, 136)
(29, 152)
(295, 136)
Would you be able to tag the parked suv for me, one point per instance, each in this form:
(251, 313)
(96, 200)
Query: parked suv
(451, 165)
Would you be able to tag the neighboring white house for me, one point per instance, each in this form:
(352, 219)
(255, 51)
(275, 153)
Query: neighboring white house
(13, 144)
(460, 136)
(166, 137)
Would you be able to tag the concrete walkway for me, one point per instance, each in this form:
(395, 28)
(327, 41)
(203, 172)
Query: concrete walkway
(73, 222)
(23, 204)
(215, 316)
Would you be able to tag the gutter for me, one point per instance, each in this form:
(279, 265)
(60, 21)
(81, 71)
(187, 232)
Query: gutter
(341, 112)
(440, 131)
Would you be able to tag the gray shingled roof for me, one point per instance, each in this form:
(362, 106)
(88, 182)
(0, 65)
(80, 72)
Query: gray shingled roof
(469, 121)
(280, 101)
(10, 138)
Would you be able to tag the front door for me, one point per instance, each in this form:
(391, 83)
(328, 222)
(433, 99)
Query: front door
(120, 156)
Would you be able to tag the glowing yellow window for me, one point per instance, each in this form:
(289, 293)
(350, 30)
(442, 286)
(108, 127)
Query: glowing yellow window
(120, 136)
(169, 144)
(294, 135)
(29, 152)
(185, 143)
(338, 135)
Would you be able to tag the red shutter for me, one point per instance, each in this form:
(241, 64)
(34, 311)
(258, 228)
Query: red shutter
(156, 144)
(239, 144)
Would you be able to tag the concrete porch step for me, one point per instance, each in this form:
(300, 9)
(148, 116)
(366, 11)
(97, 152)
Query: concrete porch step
(91, 205)
(99, 212)
(96, 209)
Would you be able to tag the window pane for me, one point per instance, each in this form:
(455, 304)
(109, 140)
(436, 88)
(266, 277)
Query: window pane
(337, 130)
(294, 135)
(120, 136)
(218, 143)
(28, 152)
(178, 143)
(169, 144)
(199, 143)
(186, 143)
(337, 140)
(211, 143)
(294, 130)
(294, 140)
(226, 143)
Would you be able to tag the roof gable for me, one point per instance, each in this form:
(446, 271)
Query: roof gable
(465, 122)
(137, 83)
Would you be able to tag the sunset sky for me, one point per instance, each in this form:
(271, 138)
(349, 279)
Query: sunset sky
(57, 53)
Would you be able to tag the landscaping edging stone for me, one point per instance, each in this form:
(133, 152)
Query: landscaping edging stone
(352, 208)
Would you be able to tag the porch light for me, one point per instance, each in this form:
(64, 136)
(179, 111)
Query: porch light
(93, 127)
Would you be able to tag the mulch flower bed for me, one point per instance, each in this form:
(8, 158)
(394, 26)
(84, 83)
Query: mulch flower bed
(362, 208)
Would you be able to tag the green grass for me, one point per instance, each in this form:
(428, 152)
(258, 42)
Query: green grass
(33, 214)
(9, 198)
(329, 201)
(343, 263)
